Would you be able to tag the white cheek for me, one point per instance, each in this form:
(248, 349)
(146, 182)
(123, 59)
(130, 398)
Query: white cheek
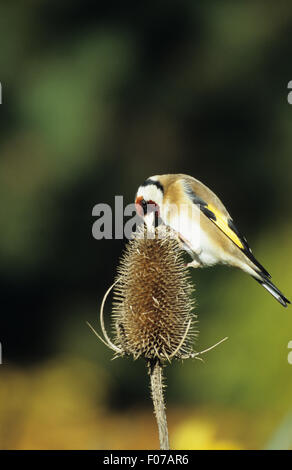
(151, 193)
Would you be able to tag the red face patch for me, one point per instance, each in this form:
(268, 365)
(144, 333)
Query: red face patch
(143, 207)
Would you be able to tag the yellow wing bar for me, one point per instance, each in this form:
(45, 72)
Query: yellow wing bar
(222, 223)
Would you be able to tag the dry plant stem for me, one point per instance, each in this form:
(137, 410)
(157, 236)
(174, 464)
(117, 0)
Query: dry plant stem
(156, 380)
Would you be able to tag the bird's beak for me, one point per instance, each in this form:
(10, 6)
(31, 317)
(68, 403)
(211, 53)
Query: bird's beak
(138, 206)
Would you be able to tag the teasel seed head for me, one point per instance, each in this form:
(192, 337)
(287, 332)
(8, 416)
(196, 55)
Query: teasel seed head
(153, 304)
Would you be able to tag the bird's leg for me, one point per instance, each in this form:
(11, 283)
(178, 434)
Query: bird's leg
(194, 264)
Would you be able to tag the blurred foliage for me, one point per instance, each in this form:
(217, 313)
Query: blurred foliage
(60, 405)
(200, 435)
(95, 98)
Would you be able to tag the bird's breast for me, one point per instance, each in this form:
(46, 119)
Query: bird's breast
(190, 224)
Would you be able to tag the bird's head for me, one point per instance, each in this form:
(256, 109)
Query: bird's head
(149, 199)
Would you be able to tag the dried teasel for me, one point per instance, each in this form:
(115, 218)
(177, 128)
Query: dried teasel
(153, 307)
(153, 304)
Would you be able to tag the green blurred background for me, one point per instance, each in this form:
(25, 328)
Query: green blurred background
(97, 96)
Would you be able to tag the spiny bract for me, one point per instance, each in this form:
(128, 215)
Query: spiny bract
(153, 302)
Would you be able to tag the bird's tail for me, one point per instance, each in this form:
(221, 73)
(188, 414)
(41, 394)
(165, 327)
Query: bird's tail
(267, 284)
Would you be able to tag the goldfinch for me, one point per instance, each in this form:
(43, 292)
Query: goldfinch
(203, 225)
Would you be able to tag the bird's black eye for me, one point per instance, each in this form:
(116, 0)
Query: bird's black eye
(144, 206)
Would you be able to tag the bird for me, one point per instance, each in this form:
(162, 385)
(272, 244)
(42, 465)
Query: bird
(202, 224)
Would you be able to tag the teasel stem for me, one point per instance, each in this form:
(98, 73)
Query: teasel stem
(156, 382)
